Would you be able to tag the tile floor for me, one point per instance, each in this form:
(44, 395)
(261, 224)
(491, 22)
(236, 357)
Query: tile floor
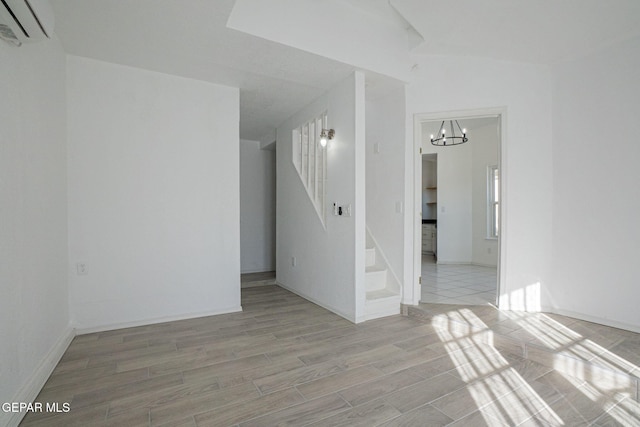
(457, 284)
(287, 361)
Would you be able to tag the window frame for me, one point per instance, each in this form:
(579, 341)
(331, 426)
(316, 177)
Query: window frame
(493, 202)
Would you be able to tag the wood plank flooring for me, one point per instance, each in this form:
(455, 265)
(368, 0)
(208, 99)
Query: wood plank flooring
(249, 280)
(285, 361)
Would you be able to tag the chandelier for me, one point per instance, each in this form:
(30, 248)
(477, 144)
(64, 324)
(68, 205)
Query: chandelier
(447, 137)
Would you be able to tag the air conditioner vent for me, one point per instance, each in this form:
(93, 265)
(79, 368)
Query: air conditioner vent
(25, 20)
(7, 33)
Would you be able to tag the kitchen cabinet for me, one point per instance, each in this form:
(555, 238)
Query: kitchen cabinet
(429, 239)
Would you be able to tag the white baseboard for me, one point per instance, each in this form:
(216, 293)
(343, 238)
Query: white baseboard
(144, 322)
(316, 302)
(446, 262)
(30, 389)
(480, 264)
(593, 319)
(259, 270)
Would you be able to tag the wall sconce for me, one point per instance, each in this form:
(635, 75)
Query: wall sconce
(326, 135)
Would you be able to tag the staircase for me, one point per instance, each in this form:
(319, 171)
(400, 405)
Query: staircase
(383, 288)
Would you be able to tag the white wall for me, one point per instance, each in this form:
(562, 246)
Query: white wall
(153, 196)
(330, 262)
(444, 84)
(596, 154)
(257, 208)
(485, 154)
(34, 320)
(454, 201)
(385, 116)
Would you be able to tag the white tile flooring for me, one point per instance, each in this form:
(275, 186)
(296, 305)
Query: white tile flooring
(457, 284)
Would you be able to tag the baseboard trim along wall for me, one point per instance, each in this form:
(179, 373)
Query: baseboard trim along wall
(450, 262)
(258, 270)
(316, 302)
(144, 322)
(31, 388)
(593, 319)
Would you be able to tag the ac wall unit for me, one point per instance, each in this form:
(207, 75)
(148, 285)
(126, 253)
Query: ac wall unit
(25, 20)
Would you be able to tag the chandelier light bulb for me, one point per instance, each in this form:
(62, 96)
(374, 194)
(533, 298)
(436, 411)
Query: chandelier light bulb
(449, 137)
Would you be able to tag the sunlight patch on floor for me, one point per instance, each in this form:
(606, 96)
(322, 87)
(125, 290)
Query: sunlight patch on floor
(500, 393)
(496, 388)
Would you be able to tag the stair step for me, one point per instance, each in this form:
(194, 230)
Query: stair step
(382, 287)
(381, 294)
(375, 278)
(370, 257)
(381, 303)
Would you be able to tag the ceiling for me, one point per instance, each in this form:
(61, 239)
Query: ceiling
(190, 38)
(539, 31)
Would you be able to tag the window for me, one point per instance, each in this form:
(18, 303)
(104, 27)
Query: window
(493, 202)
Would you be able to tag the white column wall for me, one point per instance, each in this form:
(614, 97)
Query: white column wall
(153, 196)
(34, 315)
(385, 117)
(596, 232)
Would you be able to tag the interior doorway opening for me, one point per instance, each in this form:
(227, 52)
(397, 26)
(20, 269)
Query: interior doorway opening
(457, 251)
(257, 214)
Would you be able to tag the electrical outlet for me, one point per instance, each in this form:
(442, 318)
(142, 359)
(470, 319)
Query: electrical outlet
(294, 261)
(81, 268)
(347, 210)
(488, 250)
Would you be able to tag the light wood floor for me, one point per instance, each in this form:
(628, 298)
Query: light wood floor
(250, 280)
(286, 361)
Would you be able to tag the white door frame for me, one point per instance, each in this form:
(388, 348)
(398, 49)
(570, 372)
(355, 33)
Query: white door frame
(501, 114)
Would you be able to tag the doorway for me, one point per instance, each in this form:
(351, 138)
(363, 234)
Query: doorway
(257, 214)
(458, 189)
